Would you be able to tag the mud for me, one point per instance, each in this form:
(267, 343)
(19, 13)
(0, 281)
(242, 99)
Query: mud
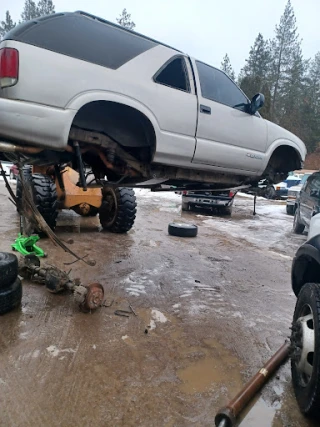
(209, 312)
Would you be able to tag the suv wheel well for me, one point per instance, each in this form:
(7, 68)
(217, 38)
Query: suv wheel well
(306, 271)
(284, 159)
(127, 126)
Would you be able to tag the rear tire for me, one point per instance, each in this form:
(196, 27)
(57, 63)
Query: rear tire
(290, 209)
(10, 297)
(118, 209)
(298, 227)
(270, 192)
(305, 341)
(45, 198)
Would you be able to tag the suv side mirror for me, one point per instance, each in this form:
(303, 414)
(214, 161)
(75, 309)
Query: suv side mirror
(315, 193)
(257, 102)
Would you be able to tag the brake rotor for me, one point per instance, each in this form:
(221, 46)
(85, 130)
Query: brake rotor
(93, 298)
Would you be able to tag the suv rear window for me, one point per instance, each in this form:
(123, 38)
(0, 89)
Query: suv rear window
(82, 37)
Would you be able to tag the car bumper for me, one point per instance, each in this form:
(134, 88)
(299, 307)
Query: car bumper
(35, 124)
(207, 202)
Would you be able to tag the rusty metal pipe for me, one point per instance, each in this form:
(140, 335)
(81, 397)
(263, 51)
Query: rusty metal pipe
(227, 416)
(6, 147)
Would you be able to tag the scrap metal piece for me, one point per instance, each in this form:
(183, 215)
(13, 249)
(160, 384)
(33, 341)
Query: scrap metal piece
(228, 416)
(94, 297)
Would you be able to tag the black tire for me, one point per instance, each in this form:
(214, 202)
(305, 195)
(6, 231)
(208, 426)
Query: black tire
(118, 209)
(182, 230)
(10, 297)
(307, 385)
(27, 173)
(290, 209)
(8, 269)
(185, 206)
(227, 210)
(270, 192)
(298, 227)
(45, 198)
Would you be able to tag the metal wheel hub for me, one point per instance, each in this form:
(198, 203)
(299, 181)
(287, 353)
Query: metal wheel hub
(303, 344)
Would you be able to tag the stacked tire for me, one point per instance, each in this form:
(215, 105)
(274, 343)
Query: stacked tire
(10, 284)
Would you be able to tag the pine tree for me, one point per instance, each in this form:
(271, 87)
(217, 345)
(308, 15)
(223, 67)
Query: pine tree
(6, 25)
(310, 108)
(293, 92)
(125, 20)
(30, 11)
(227, 68)
(45, 7)
(258, 63)
(283, 48)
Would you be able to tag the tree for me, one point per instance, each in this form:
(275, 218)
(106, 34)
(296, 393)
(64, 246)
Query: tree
(6, 25)
(125, 20)
(258, 63)
(226, 67)
(283, 47)
(30, 11)
(293, 94)
(45, 7)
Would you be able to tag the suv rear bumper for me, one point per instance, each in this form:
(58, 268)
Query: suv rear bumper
(36, 124)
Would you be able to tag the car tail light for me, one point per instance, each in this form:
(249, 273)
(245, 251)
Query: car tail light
(9, 67)
(231, 194)
(184, 193)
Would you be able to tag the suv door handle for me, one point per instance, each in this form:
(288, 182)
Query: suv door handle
(205, 109)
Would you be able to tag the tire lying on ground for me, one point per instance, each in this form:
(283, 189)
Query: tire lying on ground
(305, 356)
(10, 297)
(182, 230)
(8, 269)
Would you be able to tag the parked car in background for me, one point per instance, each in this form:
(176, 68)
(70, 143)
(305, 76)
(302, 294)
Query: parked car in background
(221, 201)
(293, 193)
(307, 203)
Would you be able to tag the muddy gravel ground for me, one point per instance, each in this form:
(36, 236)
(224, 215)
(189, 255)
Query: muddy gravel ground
(209, 312)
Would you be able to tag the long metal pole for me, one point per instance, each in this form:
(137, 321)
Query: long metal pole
(227, 416)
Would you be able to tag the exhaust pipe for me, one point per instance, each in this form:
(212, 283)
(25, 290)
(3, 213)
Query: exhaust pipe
(227, 416)
(6, 147)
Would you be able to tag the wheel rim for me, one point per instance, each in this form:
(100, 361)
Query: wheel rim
(108, 210)
(304, 344)
(295, 219)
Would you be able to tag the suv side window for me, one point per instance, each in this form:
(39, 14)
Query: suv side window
(217, 86)
(174, 74)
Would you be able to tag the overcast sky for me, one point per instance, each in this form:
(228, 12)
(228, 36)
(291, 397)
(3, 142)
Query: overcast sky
(205, 29)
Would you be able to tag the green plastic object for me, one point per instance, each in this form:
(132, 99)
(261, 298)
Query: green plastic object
(27, 245)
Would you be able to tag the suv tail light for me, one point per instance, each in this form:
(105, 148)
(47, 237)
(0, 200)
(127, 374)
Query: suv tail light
(9, 67)
(231, 194)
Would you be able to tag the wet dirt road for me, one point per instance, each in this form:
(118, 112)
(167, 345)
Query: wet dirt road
(209, 312)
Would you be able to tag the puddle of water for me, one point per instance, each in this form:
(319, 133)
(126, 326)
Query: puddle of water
(217, 368)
